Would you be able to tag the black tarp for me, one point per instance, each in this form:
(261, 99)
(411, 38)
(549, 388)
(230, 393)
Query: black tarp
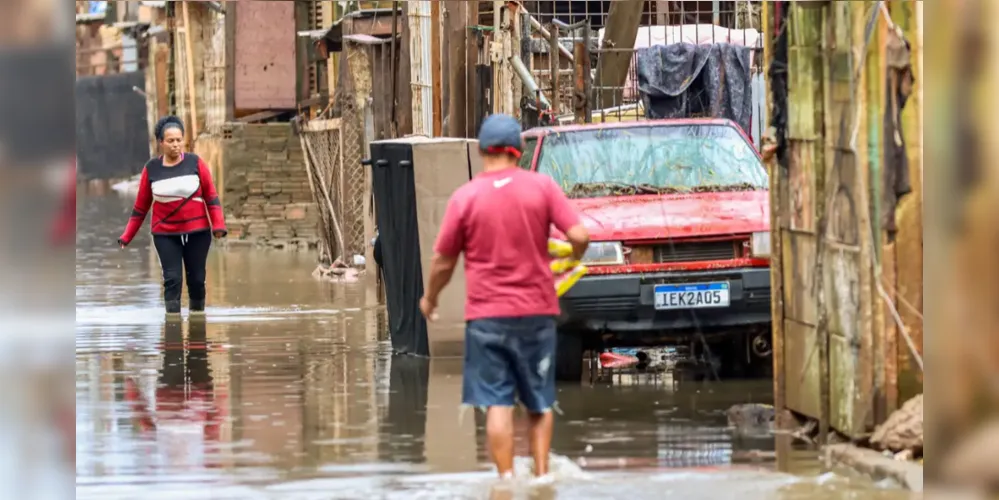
(394, 190)
(684, 80)
(112, 130)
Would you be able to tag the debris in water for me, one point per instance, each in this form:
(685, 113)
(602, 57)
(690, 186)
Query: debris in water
(128, 187)
(644, 358)
(751, 418)
(615, 360)
(337, 271)
(903, 431)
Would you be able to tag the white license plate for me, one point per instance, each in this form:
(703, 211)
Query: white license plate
(692, 296)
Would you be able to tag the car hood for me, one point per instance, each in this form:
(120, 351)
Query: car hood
(672, 216)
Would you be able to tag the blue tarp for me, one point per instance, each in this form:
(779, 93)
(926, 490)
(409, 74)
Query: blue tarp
(97, 7)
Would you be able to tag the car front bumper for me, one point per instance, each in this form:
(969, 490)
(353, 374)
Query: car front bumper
(624, 303)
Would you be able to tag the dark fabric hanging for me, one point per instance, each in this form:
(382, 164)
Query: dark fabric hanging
(895, 174)
(394, 192)
(684, 80)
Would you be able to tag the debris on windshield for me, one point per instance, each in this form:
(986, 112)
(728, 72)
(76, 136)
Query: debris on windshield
(725, 188)
(586, 189)
(591, 189)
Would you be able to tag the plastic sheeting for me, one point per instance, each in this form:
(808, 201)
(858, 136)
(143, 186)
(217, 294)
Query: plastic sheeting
(650, 36)
(685, 80)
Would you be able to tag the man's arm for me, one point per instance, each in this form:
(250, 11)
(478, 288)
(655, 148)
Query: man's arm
(565, 219)
(579, 238)
(441, 270)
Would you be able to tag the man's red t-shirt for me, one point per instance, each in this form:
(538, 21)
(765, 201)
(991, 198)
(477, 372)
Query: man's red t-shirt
(501, 221)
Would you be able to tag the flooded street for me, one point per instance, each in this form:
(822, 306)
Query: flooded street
(289, 390)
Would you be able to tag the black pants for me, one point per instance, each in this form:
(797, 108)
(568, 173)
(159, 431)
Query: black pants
(179, 255)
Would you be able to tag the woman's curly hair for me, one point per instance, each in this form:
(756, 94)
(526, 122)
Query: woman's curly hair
(165, 123)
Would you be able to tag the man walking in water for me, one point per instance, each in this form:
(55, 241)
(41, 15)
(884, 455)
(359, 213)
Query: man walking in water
(501, 221)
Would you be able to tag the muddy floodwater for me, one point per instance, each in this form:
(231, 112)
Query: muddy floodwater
(288, 389)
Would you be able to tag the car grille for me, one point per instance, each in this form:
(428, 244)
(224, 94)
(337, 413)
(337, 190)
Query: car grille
(602, 304)
(757, 296)
(695, 251)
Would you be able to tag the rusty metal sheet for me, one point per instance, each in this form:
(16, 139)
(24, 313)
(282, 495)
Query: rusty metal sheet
(377, 25)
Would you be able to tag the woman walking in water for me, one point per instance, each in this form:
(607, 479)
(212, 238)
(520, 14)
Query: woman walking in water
(186, 214)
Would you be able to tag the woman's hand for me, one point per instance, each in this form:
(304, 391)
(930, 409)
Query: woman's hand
(122, 244)
(219, 234)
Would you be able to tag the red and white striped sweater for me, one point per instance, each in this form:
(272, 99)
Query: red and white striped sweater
(183, 199)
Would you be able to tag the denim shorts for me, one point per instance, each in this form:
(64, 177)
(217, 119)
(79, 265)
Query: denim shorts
(507, 359)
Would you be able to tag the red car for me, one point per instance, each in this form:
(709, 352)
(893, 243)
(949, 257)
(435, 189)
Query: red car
(679, 217)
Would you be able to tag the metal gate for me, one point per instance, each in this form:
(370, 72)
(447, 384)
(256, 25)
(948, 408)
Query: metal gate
(591, 70)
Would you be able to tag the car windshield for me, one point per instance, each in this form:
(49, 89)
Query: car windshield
(651, 160)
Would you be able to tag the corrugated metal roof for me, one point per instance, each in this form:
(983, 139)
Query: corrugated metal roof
(313, 34)
(366, 39)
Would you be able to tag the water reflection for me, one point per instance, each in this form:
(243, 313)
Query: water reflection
(288, 388)
(405, 416)
(183, 413)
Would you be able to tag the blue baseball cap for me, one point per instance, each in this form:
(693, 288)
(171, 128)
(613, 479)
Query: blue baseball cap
(500, 134)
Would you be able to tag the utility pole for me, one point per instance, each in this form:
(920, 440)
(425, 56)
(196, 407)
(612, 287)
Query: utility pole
(617, 50)
(457, 39)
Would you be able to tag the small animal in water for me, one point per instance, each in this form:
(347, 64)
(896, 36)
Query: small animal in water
(751, 418)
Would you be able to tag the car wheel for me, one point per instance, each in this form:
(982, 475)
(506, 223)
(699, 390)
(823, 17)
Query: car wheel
(569, 357)
(731, 358)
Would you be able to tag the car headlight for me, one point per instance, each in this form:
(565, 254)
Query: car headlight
(760, 244)
(604, 253)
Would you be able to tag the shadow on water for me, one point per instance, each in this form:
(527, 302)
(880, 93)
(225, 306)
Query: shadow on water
(288, 389)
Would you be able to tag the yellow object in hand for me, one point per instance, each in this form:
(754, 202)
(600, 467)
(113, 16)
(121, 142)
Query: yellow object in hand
(567, 271)
(559, 266)
(569, 279)
(559, 249)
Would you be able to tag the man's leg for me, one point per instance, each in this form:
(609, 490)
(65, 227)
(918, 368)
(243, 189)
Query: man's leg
(499, 434)
(489, 384)
(541, 440)
(535, 374)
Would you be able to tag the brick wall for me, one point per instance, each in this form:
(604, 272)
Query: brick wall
(266, 193)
